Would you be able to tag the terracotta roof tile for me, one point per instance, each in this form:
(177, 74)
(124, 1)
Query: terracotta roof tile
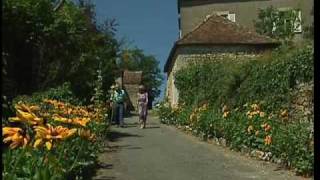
(132, 77)
(218, 30)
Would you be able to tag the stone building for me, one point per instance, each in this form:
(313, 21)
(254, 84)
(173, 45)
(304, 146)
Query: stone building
(130, 82)
(243, 12)
(216, 37)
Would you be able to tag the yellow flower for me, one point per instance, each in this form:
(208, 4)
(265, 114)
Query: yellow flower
(23, 107)
(254, 113)
(225, 114)
(77, 121)
(48, 134)
(255, 107)
(26, 117)
(267, 140)
(262, 114)
(257, 133)
(284, 114)
(86, 134)
(15, 136)
(250, 128)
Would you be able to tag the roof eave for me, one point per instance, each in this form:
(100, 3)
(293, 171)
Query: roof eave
(175, 46)
(171, 54)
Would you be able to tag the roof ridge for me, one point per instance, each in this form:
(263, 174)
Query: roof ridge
(198, 26)
(209, 16)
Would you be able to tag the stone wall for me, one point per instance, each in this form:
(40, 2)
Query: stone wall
(302, 103)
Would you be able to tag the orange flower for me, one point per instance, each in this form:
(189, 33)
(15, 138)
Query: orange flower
(77, 121)
(267, 140)
(15, 136)
(48, 134)
(27, 117)
(267, 128)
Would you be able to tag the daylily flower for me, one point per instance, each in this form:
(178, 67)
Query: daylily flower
(255, 107)
(86, 134)
(23, 107)
(77, 121)
(49, 134)
(284, 114)
(257, 133)
(16, 136)
(267, 128)
(225, 114)
(27, 117)
(262, 114)
(268, 140)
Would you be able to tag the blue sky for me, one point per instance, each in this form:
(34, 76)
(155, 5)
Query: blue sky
(151, 25)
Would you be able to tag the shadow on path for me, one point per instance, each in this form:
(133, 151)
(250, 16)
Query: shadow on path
(114, 136)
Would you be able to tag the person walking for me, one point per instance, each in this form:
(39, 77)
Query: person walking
(142, 106)
(119, 98)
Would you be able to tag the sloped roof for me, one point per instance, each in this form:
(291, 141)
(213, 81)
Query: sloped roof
(132, 77)
(217, 30)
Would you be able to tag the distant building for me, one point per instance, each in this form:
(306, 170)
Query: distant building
(131, 81)
(243, 12)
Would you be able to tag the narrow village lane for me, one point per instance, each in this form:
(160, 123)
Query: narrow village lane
(160, 152)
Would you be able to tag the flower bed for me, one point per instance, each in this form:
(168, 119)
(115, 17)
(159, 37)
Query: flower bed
(51, 140)
(268, 136)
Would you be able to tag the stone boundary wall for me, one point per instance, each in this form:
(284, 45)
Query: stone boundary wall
(302, 103)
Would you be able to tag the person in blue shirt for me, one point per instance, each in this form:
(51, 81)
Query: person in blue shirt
(118, 98)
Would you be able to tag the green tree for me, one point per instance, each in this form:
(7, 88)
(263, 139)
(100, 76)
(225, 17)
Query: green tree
(48, 44)
(277, 24)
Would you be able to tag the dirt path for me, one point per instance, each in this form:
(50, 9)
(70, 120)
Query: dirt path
(164, 153)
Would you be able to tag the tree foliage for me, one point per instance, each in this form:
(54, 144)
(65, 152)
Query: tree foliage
(277, 24)
(45, 48)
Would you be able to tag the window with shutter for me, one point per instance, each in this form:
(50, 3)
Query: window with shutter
(232, 17)
(297, 23)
